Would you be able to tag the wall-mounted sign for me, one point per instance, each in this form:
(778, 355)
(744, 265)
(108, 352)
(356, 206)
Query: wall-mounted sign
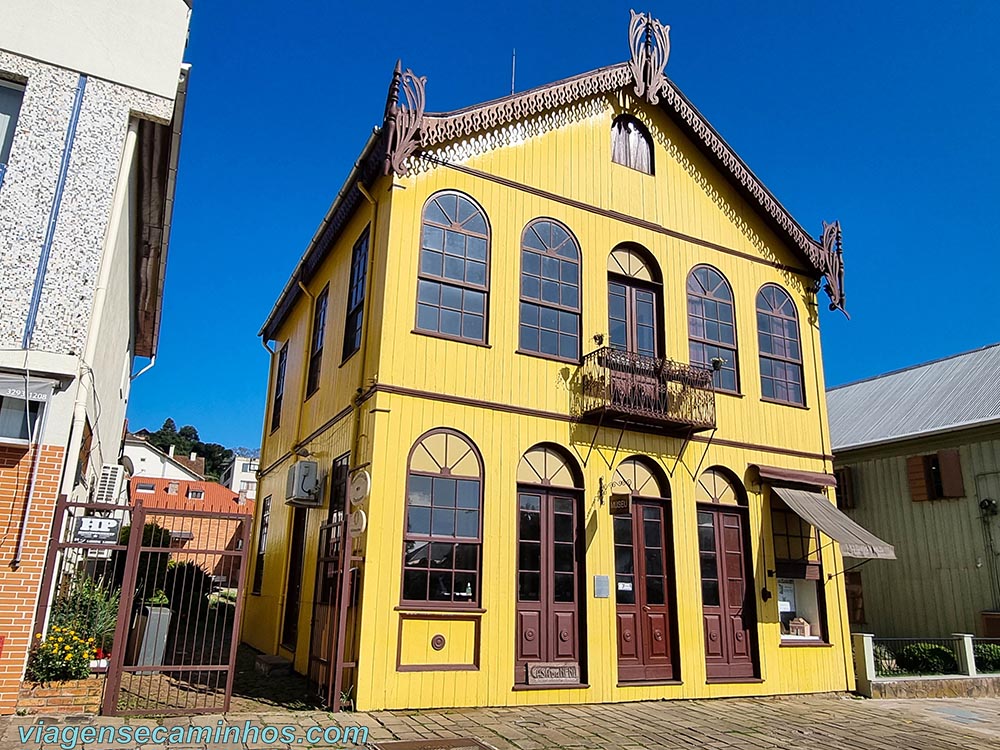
(96, 530)
(357, 522)
(554, 673)
(361, 487)
(620, 504)
(602, 587)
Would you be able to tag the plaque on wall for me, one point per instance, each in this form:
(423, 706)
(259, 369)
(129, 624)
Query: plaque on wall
(620, 503)
(554, 673)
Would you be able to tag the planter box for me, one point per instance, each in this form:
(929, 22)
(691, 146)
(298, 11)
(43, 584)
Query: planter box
(62, 697)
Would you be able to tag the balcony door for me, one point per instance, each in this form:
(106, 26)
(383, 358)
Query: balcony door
(550, 570)
(727, 591)
(644, 578)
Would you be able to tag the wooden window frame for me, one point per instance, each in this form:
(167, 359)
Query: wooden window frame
(845, 492)
(279, 386)
(431, 538)
(807, 567)
(632, 286)
(442, 281)
(771, 357)
(258, 570)
(315, 367)
(705, 341)
(356, 290)
(539, 303)
(935, 476)
(616, 125)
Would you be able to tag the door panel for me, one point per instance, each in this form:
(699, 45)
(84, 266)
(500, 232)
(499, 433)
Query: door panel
(727, 610)
(644, 593)
(549, 571)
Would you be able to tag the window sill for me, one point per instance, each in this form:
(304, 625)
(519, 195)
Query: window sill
(649, 683)
(731, 394)
(550, 357)
(574, 686)
(784, 403)
(348, 358)
(310, 394)
(445, 611)
(804, 643)
(446, 337)
(734, 681)
(14, 442)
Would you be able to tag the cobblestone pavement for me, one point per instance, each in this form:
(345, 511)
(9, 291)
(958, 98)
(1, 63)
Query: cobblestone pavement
(814, 722)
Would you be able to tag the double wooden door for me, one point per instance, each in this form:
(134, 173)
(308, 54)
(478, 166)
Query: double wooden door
(644, 593)
(727, 600)
(549, 574)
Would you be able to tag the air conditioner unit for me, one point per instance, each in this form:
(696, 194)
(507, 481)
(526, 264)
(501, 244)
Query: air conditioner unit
(110, 485)
(303, 487)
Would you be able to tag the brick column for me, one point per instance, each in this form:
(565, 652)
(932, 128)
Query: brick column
(19, 588)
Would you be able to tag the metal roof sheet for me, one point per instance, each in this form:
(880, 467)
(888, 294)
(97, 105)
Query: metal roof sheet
(956, 392)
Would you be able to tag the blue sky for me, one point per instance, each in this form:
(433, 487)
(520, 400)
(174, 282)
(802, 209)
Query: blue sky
(882, 115)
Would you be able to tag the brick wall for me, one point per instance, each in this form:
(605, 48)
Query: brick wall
(19, 588)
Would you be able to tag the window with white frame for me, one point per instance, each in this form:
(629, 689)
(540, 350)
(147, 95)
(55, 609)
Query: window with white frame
(10, 107)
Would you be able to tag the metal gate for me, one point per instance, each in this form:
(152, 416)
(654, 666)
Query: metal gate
(160, 591)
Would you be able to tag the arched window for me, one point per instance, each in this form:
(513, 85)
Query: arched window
(633, 302)
(442, 540)
(780, 352)
(453, 283)
(715, 485)
(550, 291)
(711, 325)
(631, 145)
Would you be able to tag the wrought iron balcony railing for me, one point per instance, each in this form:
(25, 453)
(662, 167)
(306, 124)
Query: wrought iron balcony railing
(622, 386)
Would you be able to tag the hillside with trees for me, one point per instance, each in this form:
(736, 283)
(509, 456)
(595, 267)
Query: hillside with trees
(186, 441)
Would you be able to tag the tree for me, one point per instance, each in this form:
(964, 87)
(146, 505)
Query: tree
(187, 441)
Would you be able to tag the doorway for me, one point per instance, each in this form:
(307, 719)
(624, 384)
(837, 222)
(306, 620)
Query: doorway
(293, 584)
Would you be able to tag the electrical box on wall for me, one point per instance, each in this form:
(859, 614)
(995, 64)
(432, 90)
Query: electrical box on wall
(303, 487)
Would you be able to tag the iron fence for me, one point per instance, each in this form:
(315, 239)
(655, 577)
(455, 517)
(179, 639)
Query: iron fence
(987, 654)
(658, 391)
(899, 657)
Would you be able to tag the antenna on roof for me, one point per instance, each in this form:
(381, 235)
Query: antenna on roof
(513, 69)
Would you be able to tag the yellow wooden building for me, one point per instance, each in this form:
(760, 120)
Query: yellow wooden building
(546, 413)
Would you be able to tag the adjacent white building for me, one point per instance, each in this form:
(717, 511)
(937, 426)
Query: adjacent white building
(146, 460)
(91, 102)
(240, 475)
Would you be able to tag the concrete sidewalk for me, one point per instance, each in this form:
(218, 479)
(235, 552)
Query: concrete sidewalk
(808, 722)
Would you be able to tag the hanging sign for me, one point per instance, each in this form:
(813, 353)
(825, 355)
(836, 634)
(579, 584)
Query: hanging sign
(620, 504)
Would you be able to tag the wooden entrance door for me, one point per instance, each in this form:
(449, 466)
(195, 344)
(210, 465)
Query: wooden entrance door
(293, 584)
(726, 598)
(549, 572)
(644, 593)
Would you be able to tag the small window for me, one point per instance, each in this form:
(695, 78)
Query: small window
(247, 467)
(937, 476)
(258, 570)
(196, 494)
(797, 562)
(712, 326)
(279, 387)
(442, 539)
(453, 281)
(855, 597)
(316, 345)
(550, 291)
(145, 487)
(631, 145)
(11, 96)
(247, 485)
(846, 499)
(356, 296)
(18, 418)
(780, 350)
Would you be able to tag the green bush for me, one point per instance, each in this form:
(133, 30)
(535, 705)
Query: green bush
(187, 585)
(63, 655)
(987, 656)
(89, 608)
(926, 658)
(152, 566)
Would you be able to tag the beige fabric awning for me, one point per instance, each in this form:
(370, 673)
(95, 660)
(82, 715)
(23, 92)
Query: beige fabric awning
(855, 541)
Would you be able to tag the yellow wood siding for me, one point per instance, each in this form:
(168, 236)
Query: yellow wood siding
(506, 402)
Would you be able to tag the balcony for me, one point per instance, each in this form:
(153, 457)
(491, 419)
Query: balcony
(623, 387)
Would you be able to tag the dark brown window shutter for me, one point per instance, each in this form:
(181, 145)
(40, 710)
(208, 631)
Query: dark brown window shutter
(951, 473)
(845, 488)
(916, 472)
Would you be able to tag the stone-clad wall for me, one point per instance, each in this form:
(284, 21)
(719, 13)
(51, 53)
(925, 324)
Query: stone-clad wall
(28, 191)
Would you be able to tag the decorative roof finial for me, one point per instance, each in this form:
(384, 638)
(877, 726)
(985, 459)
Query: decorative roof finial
(649, 42)
(404, 115)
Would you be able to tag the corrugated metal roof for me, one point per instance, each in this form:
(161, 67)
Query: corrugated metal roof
(959, 391)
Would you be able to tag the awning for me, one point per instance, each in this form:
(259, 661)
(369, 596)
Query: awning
(775, 474)
(855, 540)
(12, 385)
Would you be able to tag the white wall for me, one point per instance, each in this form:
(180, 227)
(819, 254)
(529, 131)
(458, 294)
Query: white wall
(137, 43)
(149, 462)
(234, 476)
